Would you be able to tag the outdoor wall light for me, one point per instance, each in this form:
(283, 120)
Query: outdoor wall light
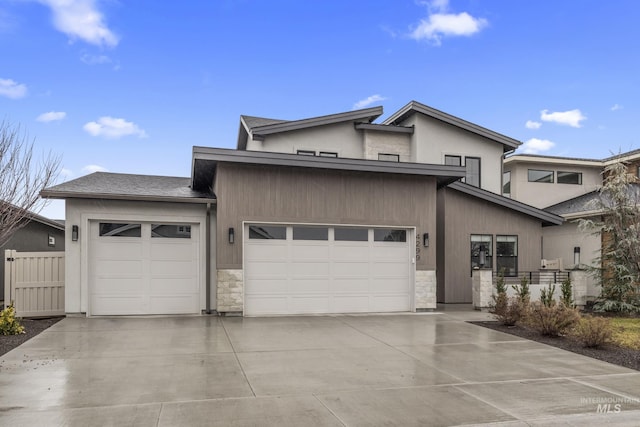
(425, 240)
(576, 255)
(74, 233)
(232, 235)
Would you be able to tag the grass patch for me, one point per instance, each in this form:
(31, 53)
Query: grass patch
(626, 332)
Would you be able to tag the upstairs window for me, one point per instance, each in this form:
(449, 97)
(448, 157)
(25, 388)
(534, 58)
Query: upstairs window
(473, 171)
(328, 154)
(506, 184)
(452, 160)
(389, 157)
(569, 178)
(540, 176)
(306, 152)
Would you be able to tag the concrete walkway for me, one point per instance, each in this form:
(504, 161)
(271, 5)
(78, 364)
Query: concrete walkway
(415, 369)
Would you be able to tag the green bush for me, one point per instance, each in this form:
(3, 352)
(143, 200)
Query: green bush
(9, 324)
(522, 290)
(551, 321)
(546, 295)
(593, 331)
(566, 293)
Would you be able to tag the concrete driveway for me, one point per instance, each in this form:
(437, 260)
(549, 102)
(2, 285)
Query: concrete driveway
(414, 369)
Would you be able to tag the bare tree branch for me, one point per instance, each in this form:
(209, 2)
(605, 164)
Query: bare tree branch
(21, 179)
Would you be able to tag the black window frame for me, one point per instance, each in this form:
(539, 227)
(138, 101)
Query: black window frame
(568, 173)
(505, 183)
(396, 157)
(452, 157)
(466, 178)
(327, 154)
(538, 181)
(500, 257)
(305, 153)
(477, 247)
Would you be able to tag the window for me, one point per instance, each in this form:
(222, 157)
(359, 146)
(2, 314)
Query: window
(267, 232)
(328, 154)
(481, 243)
(171, 231)
(389, 157)
(111, 229)
(310, 233)
(452, 160)
(507, 255)
(351, 234)
(540, 176)
(638, 172)
(306, 152)
(389, 235)
(473, 171)
(569, 178)
(506, 184)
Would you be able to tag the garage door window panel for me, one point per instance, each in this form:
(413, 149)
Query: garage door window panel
(389, 235)
(310, 233)
(170, 231)
(267, 232)
(351, 234)
(112, 229)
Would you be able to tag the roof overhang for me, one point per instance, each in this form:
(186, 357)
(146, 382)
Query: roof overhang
(531, 158)
(205, 160)
(258, 133)
(413, 107)
(546, 218)
(46, 194)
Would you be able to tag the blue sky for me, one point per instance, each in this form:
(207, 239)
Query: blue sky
(131, 86)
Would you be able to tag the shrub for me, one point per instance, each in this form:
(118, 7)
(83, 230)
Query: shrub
(566, 292)
(551, 321)
(522, 290)
(546, 295)
(509, 311)
(9, 325)
(593, 331)
(501, 286)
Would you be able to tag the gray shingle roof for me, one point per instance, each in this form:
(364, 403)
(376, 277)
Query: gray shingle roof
(589, 202)
(253, 122)
(105, 185)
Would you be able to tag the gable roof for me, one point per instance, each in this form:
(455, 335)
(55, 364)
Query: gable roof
(547, 218)
(117, 186)
(205, 160)
(414, 107)
(32, 216)
(258, 127)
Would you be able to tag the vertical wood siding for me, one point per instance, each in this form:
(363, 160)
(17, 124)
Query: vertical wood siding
(463, 215)
(297, 195)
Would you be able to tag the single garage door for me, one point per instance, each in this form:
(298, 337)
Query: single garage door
(326, 269)
(143, 268)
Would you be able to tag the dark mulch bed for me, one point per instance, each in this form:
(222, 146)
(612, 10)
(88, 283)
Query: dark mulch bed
(609, 353)
(32, 328)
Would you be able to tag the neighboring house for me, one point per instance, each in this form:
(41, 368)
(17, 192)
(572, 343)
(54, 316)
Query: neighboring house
(332, 214)
(567, 187)
(39, 235)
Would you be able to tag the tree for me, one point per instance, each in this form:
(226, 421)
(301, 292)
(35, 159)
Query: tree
(619, 228)
(21, 179)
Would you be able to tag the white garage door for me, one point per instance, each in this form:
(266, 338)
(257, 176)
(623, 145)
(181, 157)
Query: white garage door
(143, 268)
(319, 269)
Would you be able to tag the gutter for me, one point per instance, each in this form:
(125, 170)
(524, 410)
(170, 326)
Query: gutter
(207, 252)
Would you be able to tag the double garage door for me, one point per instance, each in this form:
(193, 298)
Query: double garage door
(143, 268)
(291, 269)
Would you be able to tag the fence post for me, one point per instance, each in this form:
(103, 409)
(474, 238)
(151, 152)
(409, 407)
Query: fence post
(482, 281)
(9, 255)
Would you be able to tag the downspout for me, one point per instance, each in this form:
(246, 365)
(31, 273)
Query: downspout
(208, 259)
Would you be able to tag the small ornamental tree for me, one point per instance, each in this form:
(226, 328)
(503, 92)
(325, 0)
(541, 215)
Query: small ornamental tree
(619, 228)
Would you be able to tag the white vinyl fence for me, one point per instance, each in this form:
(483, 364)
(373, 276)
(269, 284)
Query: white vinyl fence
(34, 282)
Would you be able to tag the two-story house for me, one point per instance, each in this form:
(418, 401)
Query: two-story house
(330, 214)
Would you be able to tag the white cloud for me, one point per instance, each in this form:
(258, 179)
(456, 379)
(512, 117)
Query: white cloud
(65, 173)
(113, 128)
(535, 145)
(94, 168)
(532, 125)
(363, 103)
(51, 116)
(81, 19)
(571, 118)
(439, 23)
(95, 59)
(12, 89)
(616, 107)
